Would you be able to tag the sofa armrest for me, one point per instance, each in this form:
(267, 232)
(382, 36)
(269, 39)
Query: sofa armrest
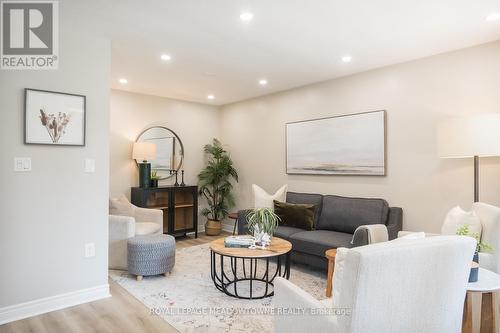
(287, 298)
(121, 227)
(487, 261)
(394, 222)
(370, 234)
(148, 215)
(243, 222)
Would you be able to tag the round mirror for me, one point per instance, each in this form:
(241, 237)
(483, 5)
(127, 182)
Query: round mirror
(169, 150)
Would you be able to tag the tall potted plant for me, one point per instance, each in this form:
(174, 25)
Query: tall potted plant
(215, 185)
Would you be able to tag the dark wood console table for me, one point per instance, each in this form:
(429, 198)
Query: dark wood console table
(179, 205)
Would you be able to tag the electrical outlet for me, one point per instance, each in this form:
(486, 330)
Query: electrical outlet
(89, 250)
(89, 165)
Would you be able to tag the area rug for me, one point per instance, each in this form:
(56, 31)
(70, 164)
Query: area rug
(188, 300)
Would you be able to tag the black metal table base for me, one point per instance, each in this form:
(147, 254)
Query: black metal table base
(243, 272)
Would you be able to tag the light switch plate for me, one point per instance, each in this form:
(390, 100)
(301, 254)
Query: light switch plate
(89, 250)
(22, 164)
(89, 165)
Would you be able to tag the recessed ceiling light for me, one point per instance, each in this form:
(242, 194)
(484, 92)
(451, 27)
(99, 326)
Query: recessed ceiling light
(346, 58)
(123, 81)
(165, 57)
(493, 17)
(211, 97)
(263, 82)
(246, 16)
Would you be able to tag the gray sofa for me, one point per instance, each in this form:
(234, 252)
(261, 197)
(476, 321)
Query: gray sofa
(336, 220)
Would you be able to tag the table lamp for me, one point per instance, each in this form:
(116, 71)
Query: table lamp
(144, 151)
(470, 137)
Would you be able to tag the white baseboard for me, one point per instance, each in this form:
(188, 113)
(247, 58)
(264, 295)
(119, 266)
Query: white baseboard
(52, 303)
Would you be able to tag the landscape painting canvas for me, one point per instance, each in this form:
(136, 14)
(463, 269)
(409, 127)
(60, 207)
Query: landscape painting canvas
(344, 145)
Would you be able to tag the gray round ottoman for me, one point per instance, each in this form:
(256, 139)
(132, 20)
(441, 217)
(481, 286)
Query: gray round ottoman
(150, 255)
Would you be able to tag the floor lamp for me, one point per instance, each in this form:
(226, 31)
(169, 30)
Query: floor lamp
(470, 137)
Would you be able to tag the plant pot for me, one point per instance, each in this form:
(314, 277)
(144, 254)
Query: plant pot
(154, 182)
(474, 271)
(262, 238)
(213, 228)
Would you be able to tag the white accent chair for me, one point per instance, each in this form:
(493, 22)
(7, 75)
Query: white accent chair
(411, 286)
(126, 221)
(490, 221)
(489, 216)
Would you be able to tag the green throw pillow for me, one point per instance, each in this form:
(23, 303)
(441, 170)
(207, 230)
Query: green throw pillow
(295, 215)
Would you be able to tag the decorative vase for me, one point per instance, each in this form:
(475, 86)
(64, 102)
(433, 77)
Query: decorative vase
(213, 228)
(144, 174)
(262, 238)
(154, 182)
(474, 271)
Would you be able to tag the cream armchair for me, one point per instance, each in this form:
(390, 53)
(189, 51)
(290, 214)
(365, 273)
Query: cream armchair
(411, 286)
(126, 221)
(490, 233)
(488, 228)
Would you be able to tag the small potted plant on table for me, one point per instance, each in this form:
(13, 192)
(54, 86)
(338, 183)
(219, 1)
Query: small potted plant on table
(262, 222)
(480, 247)
(154, 178)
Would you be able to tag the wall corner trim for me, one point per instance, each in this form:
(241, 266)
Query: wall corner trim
(52, 303)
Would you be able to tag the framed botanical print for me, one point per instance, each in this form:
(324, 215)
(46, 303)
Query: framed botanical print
(54, 118)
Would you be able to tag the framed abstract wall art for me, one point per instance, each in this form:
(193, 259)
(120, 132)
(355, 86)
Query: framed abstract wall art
(342, 145)
(54, 118)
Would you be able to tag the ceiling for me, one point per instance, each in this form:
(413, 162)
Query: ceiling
(291, 43)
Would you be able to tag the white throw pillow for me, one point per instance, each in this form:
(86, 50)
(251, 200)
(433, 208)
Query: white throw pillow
(262, 199)
(457, 218)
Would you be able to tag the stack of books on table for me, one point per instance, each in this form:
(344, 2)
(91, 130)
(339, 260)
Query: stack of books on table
(239, 241)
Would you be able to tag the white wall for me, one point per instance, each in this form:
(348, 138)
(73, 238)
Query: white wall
(195, 124)
(416, 95)
(47, 215)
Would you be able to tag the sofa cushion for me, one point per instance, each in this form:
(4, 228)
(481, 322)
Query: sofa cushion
(345, 214)
(295, 215)
(316, 242)
(146, 228)
(285, 232)
(307, 198)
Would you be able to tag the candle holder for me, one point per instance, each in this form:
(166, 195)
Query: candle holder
(176, 180)
(182, 178)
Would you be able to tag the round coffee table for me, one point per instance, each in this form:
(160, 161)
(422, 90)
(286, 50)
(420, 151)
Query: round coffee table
(242, 267)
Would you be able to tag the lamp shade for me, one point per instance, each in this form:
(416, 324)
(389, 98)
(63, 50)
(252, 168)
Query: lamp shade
(469, 136)
(144, 151)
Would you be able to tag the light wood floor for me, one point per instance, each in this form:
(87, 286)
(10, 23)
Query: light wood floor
(121, 313)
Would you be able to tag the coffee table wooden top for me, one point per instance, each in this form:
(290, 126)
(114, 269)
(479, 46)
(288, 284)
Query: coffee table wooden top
(278, 247)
